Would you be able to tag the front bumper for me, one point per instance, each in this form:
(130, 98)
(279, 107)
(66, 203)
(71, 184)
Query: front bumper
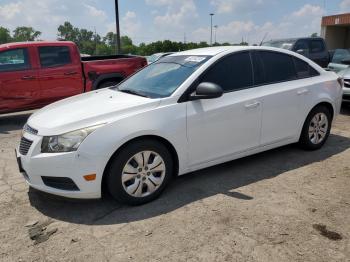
(346, 94)
(50, 172)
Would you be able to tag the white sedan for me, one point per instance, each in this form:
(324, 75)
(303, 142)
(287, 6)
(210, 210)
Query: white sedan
(188, 111)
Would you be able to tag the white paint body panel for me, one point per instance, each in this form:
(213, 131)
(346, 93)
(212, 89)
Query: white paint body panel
(203, 132)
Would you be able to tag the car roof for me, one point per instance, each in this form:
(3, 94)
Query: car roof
(213, 51)
(34, 43)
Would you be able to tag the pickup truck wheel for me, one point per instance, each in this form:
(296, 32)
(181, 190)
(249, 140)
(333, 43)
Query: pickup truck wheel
(316, 129)
(107, 84)
(140, 172)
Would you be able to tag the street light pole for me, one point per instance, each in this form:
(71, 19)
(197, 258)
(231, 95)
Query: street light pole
(118, 47)
(216, 29)
(211, 28)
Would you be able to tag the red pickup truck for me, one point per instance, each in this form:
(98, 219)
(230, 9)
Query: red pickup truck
(35, 74)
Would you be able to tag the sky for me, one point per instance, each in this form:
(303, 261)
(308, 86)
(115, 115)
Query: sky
(152, 20)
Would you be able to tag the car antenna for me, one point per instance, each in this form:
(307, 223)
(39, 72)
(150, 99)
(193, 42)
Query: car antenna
(262, 41)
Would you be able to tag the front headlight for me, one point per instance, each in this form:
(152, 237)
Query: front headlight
(68, 142)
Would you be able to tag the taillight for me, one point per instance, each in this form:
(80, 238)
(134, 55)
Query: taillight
(341, 81)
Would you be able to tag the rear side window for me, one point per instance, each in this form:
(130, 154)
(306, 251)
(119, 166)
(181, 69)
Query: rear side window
(278, 67)
(53, 56)
(231, 73)
(14, 60)
(303, 69)
(317, 46)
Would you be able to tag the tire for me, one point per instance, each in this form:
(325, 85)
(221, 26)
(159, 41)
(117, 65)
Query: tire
(315, 140)
(125, 180)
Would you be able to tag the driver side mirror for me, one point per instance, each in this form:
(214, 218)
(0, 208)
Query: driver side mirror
(207, 90)
(302, 52)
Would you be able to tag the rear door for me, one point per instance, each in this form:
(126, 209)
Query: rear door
(281, 102)
(60, 73)
(19, 85)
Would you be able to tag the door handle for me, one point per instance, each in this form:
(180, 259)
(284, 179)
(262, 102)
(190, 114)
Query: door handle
(302, 92)
(70, 73)
(28, 77)
(253, 105)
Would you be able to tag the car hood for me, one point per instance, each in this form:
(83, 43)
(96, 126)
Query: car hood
(88, 109)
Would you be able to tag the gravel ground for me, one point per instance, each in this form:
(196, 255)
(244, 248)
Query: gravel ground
(281, 205)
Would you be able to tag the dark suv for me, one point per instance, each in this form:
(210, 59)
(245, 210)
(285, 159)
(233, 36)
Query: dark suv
(313, 48)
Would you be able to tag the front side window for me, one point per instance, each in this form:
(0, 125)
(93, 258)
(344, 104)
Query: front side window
(54, 56)
(302, 45)
(14, 60)
(231, 73)
(278, 67)
(162, 78)
(317, 46)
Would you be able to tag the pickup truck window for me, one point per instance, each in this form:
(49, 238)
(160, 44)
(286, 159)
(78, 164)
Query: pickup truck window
(302, 45)
(14, 60)
(54, 56)
(317, 46)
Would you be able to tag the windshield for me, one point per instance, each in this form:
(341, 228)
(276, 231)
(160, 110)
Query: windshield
(340, 55)
(285, 44)
(162, 78)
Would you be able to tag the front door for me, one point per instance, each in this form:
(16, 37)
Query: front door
(19, 85)
(219, 128)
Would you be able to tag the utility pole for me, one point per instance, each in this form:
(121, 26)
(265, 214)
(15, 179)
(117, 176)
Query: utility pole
(216, 29)
(118, 47)
(211, 28)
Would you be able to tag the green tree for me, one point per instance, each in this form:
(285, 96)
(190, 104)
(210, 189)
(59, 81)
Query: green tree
(68, 32)
(314, 35)
(24, 33)
(5, 36)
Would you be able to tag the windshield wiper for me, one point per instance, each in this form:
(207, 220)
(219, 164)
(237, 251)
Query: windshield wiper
(133, 92)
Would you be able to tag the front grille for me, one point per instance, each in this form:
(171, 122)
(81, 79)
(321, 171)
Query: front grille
(24, 146)
(30, 130)
(62, 183)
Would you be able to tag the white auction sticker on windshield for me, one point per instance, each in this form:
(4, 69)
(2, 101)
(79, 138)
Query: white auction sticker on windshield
(194, 59)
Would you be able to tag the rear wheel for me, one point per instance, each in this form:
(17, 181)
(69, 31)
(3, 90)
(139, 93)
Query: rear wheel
(140, 172)
(316, 128)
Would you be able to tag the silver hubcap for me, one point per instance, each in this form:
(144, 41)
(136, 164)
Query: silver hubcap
(318, 128)
(143, 174)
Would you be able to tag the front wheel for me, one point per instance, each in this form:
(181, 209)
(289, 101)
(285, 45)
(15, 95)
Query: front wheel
(316, 128)
(140, 172)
